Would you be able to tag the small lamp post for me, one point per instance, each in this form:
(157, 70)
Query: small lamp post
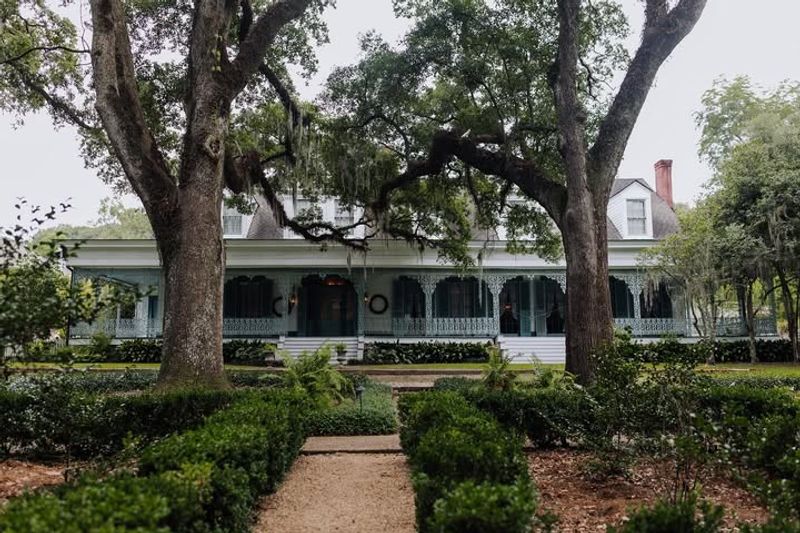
(360, 395)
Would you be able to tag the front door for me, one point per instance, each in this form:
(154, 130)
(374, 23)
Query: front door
(329, 308)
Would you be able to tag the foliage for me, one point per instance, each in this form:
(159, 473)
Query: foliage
(459, 454)
(752, 138)
(498, 374)
(59, 415)
(484, 508)
(424, 352)
(246, 352)
(139, 351)
(115, 221)
(250, 445)
(37, 298)
(666, 517)
(206, 479)
(312, 373)
(172, 501)
(377, 417)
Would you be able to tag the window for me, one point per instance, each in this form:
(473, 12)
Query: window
(344, 215)
(637, 219)
(232, 224)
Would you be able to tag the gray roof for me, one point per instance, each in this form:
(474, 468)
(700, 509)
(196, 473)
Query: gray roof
(623, 183)
(665, 222)
(264, 225)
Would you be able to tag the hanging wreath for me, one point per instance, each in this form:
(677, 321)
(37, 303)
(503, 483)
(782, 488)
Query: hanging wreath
(378, 304)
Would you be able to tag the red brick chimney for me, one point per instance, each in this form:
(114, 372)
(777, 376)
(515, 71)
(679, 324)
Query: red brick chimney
(664, 180)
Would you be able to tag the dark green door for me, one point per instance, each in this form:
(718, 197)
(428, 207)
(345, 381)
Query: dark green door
(329, 308)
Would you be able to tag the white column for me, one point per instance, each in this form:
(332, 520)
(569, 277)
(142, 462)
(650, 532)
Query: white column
(495, 284)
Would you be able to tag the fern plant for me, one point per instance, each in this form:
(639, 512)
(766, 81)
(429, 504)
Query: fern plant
(498, 374)
(312, 372)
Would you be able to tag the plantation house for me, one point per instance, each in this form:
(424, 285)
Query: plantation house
(282, 288)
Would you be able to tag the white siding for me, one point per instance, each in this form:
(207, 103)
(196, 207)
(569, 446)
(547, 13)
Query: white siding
(617, 210)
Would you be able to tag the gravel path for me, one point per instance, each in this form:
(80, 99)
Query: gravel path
(365, 444)
(347, 493)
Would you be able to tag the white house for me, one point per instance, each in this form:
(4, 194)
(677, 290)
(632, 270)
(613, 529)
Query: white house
(283, 288)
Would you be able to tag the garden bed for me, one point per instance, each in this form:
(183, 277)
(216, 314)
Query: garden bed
(589, 505)
(17, 477)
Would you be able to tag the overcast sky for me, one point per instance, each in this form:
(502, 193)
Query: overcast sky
(756, 38)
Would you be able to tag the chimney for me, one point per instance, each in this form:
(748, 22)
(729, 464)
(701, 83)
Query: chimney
(664, 180)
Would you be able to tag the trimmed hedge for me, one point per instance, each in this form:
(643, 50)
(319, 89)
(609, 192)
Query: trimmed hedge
(388, 353)
(738, 351)
(348, 418)
(57, 419)
(469, 473)
(547, 416)
(206, 479)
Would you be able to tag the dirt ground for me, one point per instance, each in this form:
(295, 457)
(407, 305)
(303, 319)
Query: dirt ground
(345, 493)
(584, 505)
(19, 476)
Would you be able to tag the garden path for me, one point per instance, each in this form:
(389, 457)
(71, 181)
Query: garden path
(342, 492)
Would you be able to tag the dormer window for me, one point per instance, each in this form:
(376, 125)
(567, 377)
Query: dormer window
(637, 217)
(344, 215)
(231, 222)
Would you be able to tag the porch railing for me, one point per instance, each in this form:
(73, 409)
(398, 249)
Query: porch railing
(684, 327)
(431, 327)
(121, 328)
(134, 328)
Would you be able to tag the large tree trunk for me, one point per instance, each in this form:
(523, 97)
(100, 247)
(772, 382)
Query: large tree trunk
(750, 321)
(194, 265)
(790, 310)
(589, 323)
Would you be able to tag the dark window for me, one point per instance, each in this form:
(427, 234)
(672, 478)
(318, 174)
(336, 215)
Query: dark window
(408, 300)
(621, 299)
(247, 297)
(462, 298)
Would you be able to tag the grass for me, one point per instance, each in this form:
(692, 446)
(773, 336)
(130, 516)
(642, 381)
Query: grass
(758, 369)
(723, 369)
(113, 366)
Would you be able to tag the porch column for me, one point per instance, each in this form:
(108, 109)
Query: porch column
(428, 283)
(361, 292)
(635, 284)
(284, 285)
(495, 285)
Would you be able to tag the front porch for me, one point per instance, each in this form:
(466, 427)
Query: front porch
(397, 304)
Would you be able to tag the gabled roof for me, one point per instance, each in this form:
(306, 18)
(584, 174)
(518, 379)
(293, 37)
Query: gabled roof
(621, 184)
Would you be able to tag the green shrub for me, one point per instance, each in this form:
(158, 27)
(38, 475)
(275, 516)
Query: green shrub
(250, 352)
(459, 456)
(681, 517)
(735, 351)
(251, 445)
(101, 344)
(484, 508)
(173, 501)
(205, 479)
(377, 417)
(56, 418)
(425, 352)
(139, 351)
(420, 412)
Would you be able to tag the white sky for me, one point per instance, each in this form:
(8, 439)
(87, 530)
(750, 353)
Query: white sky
(757, 38)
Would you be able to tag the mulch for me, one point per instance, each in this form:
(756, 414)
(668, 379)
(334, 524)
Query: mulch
(17, 477)
(583, 504)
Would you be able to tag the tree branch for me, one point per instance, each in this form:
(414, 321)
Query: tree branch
(29, 51)
(58, 105)
(261, 35)
(121, 112)
(570, 111)
(663, 31)
(528, 176)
